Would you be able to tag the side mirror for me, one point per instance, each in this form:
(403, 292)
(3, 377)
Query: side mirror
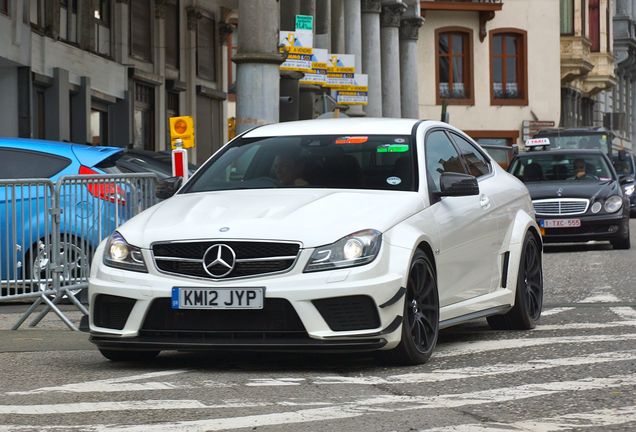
(167, 187)
(456, 184)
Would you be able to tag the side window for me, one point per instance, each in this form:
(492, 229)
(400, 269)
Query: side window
(477, 164)
(441, 157)
(20, 164)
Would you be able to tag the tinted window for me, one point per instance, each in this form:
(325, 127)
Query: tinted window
(558, 167)
(624, 166)
(21, 164)
(474, 160)
(441, 157)
(340, 162)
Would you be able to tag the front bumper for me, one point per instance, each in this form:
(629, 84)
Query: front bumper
(593, 227)
(293, 318)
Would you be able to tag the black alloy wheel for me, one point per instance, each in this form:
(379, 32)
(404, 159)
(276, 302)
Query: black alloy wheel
(420, 326)
(529, 293)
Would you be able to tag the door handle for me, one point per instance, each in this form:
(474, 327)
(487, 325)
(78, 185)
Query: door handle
(484, 201)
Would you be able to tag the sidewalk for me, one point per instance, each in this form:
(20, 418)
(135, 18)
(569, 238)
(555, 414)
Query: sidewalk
(51, 334)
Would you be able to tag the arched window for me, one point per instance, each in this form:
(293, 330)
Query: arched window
(454, 66)
(508, 67)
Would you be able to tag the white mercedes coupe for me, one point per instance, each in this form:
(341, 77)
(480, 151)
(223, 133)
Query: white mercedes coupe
(323, 235)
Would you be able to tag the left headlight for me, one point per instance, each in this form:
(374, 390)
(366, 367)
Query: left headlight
(613, 204)
(353, 250)
(120, 254)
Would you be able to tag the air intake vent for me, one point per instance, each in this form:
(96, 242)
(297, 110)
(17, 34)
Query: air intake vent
(112, 311)
(349, 313)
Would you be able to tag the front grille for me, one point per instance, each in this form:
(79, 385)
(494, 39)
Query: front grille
(349, 313)
(251, 258)
(561, 207)
(112, 311)
(277, 319)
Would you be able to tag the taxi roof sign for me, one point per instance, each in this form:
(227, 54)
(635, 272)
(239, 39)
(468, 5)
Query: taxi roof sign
(538, 142)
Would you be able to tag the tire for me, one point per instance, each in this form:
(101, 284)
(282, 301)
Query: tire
(420, 326)
(529, 293)
(623, 242)
(131, 356)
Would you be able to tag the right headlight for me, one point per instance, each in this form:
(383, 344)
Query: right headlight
(119, 254)
(353, 250)
(613, 204)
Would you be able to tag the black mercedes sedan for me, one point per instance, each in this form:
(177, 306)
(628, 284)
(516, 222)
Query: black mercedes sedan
(576, 194)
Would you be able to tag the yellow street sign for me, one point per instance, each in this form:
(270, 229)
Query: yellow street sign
(182, 128)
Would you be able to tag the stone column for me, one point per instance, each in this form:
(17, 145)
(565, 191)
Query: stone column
(632, 119)
(337, 26)
(57, 107)
(371, 62)
(160, 67)
(288, 11)
(353, 41)
(322, 26)
(409, 28)
(258, 60)
(190, 72)
(81, 113)
(390, 43)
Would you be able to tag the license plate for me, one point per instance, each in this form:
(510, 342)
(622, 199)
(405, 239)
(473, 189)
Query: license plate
(217, 298)
(560, 223)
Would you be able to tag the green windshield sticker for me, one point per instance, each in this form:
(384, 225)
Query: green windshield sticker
(392, 148)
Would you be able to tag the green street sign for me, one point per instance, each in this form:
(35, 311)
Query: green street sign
(304, 22)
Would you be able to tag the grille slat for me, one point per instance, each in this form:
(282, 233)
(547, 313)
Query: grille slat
(561, 207)
(252, 258)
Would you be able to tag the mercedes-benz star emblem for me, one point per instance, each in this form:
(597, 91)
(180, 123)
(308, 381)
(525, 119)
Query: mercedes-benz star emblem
(560, 192)
(219, 260)
(224, 229)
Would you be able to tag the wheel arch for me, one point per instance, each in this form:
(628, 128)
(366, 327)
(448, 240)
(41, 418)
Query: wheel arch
(522, 225)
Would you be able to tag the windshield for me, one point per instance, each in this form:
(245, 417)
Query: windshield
(557, 167)
(343, 162)
(623, 166)
(586, 141)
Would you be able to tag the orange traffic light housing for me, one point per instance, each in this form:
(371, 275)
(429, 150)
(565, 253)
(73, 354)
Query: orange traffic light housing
(182, 128)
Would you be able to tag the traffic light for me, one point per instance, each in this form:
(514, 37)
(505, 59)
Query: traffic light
(182, 128)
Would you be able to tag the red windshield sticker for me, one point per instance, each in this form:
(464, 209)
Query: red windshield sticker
(352, 140)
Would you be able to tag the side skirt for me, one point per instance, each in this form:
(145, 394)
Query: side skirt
(474, 315)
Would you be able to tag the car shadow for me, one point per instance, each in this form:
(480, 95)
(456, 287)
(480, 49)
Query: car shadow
(299, 362)
(576, 247)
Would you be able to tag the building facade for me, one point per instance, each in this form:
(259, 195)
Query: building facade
(111, 72)
(587, 62)
(493, 65)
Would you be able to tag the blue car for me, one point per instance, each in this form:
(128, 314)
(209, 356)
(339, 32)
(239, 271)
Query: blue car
(89, 212)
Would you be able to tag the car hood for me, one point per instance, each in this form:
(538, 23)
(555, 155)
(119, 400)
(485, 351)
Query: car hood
(312, 216)
(573, 189)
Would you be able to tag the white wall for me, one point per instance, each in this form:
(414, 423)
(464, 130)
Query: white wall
(540, 18)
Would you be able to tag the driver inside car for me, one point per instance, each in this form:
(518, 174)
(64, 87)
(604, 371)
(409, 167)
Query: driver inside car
(580, 171)
(289, 170)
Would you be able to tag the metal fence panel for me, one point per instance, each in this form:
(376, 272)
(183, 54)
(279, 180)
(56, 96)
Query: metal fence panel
(26, 228)
(92, 207)
(49, 233)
